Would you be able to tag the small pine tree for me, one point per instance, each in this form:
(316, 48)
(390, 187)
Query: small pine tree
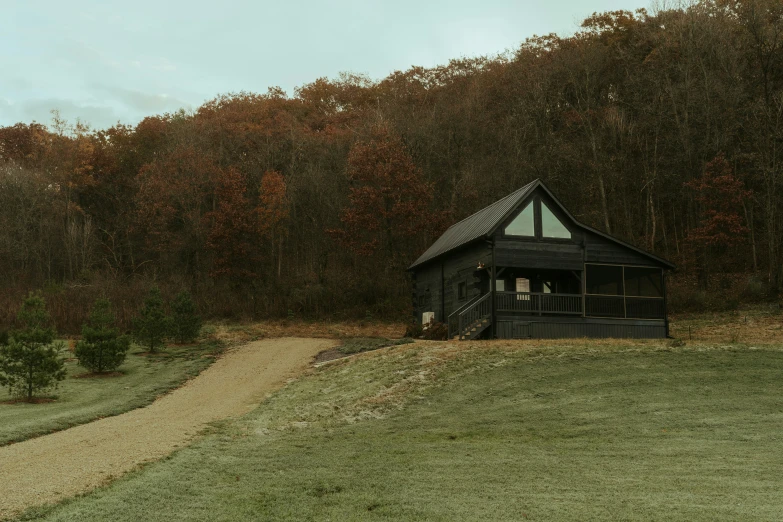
(186, 324)
(30, 362)
(151, 326)
(102, 348)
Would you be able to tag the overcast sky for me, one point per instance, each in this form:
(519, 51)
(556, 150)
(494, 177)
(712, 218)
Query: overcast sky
(105, 61)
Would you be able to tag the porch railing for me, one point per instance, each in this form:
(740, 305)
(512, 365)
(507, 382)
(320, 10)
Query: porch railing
(621, 307)
(539, 303)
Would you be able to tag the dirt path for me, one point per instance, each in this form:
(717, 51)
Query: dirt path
(50, 468)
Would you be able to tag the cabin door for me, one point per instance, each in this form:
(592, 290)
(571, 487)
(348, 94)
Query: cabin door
(522, 285)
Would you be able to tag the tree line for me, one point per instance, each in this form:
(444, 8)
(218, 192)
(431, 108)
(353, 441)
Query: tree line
(663, 128)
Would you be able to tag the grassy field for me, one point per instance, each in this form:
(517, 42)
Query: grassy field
(83, 399)
(603, 430)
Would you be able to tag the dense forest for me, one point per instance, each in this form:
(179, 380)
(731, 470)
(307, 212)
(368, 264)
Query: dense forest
(664, 129)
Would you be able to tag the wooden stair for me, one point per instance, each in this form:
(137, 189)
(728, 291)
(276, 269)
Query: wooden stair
(470, 321)
(473, 331)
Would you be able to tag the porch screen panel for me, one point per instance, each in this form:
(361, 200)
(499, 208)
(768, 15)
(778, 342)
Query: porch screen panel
(523, 224)
(604, 279)
(644, 293)
(605, 283)
(643, 282)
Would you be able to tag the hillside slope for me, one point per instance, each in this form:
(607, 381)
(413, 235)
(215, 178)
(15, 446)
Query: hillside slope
(501, 431)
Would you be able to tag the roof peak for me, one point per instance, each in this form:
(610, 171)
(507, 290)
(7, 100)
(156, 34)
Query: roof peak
(485, 221)
(525, 188)
(476, 225)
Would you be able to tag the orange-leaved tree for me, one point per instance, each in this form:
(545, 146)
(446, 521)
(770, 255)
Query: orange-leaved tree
(389, 201)
(172, 199)
(232, 231)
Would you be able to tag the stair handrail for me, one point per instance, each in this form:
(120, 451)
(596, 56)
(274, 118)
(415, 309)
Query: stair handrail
(460, 310)
(475, 308)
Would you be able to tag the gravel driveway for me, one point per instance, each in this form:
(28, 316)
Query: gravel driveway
(53, 467)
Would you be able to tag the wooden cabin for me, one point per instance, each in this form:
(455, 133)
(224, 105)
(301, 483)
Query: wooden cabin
(524, 267)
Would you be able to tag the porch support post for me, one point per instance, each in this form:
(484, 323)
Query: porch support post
(492, 285)
(443, 316)
(665, 308)
(625, 305)
(583, 282)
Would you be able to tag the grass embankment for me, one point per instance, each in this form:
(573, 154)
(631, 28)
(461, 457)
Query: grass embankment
(368, 344)
(81, 399)
(493, 431)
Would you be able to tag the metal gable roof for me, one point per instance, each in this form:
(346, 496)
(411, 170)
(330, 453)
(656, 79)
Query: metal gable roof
(485, 221)
(475, 226)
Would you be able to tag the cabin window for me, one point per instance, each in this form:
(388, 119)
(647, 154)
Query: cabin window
(643, 281)
(500, 285)
(462, 291)
(604, 279)
(551, 226)
(523, 224)
(421, 300)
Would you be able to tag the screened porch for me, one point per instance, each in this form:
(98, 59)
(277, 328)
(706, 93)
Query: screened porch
(613, 291)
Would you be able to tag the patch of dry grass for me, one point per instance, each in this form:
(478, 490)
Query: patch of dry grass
(751, 326)
(240, 333)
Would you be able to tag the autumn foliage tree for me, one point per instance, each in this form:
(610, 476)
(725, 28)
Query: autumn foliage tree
(172, 201)
(389, 201)
(720, 197)
(232, 236)
(272, 213)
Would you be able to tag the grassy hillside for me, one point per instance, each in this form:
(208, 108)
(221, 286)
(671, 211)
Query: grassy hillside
(83, 399)
(492, 431)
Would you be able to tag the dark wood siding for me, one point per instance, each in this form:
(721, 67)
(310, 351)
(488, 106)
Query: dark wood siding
(602, 250)
(510, 327)
(458, 268)
(427, 286)
(538, 254)
(444, 276)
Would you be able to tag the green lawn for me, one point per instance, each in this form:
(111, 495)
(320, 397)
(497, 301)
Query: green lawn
(495, 431)
(81, 400)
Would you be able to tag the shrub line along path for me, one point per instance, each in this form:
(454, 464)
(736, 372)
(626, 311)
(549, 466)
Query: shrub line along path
(54, 467)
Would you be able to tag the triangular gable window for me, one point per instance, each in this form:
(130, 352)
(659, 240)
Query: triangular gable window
(523, 224)
(551, 226)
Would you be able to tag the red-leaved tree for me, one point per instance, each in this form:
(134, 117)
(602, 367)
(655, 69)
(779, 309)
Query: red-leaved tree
(719, 196)
(272, 213)
(171, 202)
(389, 201)
(232, 231)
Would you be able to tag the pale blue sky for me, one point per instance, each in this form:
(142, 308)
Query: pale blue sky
(108, 61)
